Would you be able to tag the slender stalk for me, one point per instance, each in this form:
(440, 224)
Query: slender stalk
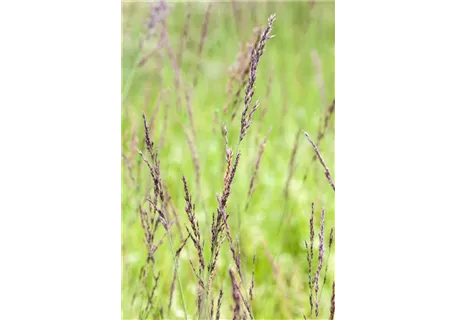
(129, 80)
(177, 272)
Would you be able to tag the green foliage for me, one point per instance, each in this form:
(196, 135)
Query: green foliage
(270, 228)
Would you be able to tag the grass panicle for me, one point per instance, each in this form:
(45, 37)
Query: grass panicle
(325, 126)
(194, 234)
(154, 169)
(292, 164)
(321, 251)
(193, 152)
(219, 304)
(246, 118)
(202, 41)
(184, 36)
(327, 173)
(331, 238)
(255, 170)
(333, 302)
(236, 296)
(239, 72)
(252, 282)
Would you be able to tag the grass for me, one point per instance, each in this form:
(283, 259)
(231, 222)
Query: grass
(269, 220)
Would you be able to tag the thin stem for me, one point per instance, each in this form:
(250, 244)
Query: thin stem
(177, 272)
(129, 80)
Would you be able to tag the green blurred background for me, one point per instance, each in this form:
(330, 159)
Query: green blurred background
(298, 67)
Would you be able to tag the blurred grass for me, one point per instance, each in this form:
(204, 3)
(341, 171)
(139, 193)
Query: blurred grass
(299, 29)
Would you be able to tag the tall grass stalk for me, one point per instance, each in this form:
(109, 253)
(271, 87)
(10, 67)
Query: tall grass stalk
(176, 269)
(129, 80)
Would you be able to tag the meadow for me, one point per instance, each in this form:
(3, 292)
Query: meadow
(219, 179)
